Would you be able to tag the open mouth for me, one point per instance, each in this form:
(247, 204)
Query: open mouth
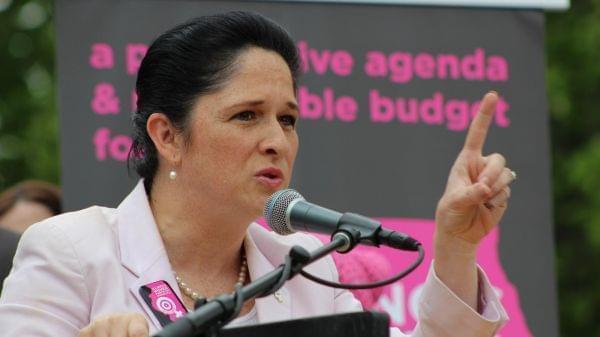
(272, 177)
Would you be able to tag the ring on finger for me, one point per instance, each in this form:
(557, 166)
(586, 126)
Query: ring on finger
(513, 174)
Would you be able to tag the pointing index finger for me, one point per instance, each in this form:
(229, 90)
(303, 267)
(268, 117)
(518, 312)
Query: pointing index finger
(481, 123)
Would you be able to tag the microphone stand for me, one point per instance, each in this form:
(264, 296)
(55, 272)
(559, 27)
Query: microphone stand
(208, 317)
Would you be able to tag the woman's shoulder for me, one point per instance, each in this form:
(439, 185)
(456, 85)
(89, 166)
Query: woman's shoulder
(86, 221)
(83, 230)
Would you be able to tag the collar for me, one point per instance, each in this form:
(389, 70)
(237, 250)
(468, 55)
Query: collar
(136, 221)
(144, 255)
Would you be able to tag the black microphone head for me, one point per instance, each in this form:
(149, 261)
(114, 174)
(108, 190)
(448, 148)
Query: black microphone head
(276, 208)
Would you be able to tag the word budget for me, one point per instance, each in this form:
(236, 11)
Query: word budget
(455, 114)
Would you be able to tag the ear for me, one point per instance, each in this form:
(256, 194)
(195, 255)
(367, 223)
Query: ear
(167, 140)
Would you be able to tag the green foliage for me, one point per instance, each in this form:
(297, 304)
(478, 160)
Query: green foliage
(29, 134)
(28, 113)
(573, 70)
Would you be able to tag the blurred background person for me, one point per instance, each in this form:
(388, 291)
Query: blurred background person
(8, 246)
(27, 203)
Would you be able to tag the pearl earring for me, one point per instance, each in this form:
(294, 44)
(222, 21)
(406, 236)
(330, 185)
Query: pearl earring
(172, 175)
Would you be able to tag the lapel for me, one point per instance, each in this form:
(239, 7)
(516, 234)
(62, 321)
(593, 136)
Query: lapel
(141, 247)
(276, 307)
(144, 255)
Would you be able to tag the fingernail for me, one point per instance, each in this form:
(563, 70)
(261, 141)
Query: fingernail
(493, 92)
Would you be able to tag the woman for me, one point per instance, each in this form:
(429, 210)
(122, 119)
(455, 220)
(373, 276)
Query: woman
(214, 137)
(8, 246)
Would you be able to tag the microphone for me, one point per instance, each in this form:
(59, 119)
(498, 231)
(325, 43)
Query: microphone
(286, 212)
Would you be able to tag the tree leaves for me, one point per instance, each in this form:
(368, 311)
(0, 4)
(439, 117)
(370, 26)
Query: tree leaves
(573, 51)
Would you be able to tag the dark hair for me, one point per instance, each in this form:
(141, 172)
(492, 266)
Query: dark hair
(37, 191)
(191, 60)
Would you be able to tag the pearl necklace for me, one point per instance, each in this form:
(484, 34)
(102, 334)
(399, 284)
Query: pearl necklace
(194, 295)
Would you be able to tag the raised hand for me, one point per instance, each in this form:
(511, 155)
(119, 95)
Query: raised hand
(473, 203)
(477, 191)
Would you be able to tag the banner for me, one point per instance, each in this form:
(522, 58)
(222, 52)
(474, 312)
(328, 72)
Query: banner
(386, 96)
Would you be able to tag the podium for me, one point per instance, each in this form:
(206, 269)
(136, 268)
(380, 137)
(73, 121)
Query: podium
(358, 324)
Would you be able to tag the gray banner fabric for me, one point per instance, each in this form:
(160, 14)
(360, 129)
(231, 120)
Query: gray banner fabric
(386, 97)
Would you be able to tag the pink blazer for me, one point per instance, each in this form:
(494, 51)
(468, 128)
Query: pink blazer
(74, 267)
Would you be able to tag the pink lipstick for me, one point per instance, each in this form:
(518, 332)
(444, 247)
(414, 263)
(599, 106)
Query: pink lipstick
(272, 177)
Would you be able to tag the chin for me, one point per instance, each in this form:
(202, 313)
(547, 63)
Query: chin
(260, 204)
(261, 198)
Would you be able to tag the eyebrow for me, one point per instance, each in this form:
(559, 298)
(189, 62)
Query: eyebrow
(290, 104)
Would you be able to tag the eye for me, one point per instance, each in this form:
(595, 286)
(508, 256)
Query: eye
(246, 115)
(288, 120)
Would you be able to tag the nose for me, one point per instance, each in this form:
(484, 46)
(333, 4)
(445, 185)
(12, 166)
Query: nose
(275, 140)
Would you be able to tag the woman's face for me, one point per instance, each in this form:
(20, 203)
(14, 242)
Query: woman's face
(243, 139)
